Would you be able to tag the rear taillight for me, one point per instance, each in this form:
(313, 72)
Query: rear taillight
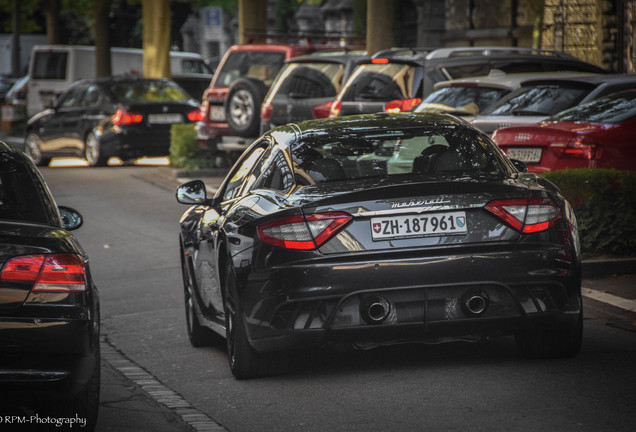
(302, 232)
(380, 61)
(334, 111)
(195, 116)
(399, 105)
(527, 215)
(123, 117)
(48, 273)
(322, 110)
(267, 109)
(575, 150)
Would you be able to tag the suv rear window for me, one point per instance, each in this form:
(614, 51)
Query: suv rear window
(463, 96)
(49, 65)
(263, 66)
(384, 82)
(309, 80)
(612, 109)
(539, 100)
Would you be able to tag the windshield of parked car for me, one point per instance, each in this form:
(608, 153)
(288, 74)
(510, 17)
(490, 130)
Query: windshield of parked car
(148, 91)
(469, 98)
(21, 196)
(260, 65)
(429, 152)
(539, 100)
(383, 82)
(616, 108)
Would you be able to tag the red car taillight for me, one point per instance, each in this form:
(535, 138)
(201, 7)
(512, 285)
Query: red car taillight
(527, 215)
(302, 232)
(322, 110)
(123, 117)
(399, 105)
(267, 110)
(49, 273)
(575, 150)
(195, 116)
(334, 111)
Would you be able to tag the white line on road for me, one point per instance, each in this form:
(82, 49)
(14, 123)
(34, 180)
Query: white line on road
(619, 302)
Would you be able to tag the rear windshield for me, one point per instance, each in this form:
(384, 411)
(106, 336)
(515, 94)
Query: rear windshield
(469, 99)
(148, 91)
(539, 100)
(21, 196)
(418, 152)
(383, 82)
(49, 65)
(263, 66)
(309, 80)
(612, 109)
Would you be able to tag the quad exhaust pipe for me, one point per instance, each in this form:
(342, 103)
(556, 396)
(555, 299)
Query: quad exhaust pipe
(374, 309)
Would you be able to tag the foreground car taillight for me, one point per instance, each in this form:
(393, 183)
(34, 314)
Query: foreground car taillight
(195, 116)
(49, 273)
(123, 117)
(527, 215)
(400, 105)
(302, 232)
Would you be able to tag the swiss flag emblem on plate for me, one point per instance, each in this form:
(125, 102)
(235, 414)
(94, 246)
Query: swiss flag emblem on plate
(377, 227)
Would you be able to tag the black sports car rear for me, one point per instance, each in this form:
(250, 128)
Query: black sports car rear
(49, 307)
(378, 229)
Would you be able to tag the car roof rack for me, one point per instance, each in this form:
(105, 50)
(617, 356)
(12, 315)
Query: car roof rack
(402, 52)
(493, 50)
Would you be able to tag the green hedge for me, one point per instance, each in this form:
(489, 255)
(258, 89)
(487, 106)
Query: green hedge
(604, 201)
(184, 150)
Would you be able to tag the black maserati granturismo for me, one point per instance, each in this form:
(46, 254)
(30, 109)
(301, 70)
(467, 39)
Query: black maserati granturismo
(378, 229)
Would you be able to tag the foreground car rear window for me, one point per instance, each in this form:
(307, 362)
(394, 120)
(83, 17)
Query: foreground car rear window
(148, 91)
(20, 196)
(414, 153)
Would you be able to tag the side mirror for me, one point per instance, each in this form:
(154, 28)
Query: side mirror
(521, 167)
(71, 218)
(192, 193)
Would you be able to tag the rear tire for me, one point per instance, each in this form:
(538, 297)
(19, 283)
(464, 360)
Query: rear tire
(245, 362)
(33, 149)
(92, 151)
(560, 342)
(198, 335)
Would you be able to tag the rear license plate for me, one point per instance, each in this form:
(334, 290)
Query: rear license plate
(383, 228)
(217, 113)
(165, 118)
(525, 154)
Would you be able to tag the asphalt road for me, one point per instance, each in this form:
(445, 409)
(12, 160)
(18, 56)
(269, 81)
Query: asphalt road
(130, 233)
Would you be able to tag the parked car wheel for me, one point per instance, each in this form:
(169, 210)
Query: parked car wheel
(93, 152)
(33, 149)
(242, 106)
(245, 362)
(561, 342)
(197, 334)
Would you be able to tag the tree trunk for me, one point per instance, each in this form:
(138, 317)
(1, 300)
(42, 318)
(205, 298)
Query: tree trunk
(102, 42)
(156, 38)
(52, 13)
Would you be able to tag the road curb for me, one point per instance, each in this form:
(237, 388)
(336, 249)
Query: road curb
(605, 267)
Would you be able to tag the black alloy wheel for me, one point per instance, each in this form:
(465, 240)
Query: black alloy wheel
(33, 149)
(245, 362)
(561, 342)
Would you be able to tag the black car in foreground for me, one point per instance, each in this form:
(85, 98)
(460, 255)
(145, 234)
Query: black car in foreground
(127, 117)
(49, 306)
(319, 237)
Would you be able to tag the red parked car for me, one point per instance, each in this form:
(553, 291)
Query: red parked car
(598, 134)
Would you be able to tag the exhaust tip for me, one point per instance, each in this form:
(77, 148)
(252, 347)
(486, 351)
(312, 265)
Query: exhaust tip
(475, 304)
(374, 309)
